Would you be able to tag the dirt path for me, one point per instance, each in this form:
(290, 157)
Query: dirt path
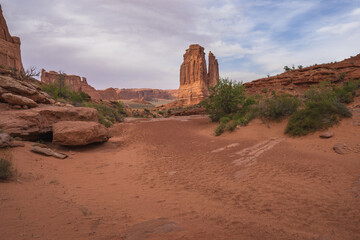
(174, 179)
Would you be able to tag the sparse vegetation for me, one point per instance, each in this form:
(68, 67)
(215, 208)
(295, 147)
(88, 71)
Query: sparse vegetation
(29, 73)
(320, 107)
(59, 91)
(277, 107)
(108, 115)
(225, 98)
(6, 169)
(322, 110)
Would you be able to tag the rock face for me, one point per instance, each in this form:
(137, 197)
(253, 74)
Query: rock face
(18, 100)
(24, 89)
(301, 79)
(74, 82)
(77, 83)
(194, 78)
(32, 123)
(10, 53)
(75, 133)
(213, 74)
(146, 93)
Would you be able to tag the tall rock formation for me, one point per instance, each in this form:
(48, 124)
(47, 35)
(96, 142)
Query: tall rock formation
(213, 74)
(10, 53)
(194, 79)
(74, 82)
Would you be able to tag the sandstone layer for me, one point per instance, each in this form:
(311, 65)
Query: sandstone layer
(300, 79)
(76, 133)
(75, 83)
(22, 89)
(31, 124)
(10, 53)
(194, 77)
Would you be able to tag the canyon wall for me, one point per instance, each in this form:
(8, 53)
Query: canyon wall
(74, 82)
(300, 79)
(194, 77)
(147, 93)
(10, 53)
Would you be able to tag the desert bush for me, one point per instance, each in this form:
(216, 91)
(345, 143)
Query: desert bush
(231, 125)
(6, 170)
(225, 120)
(108, 115)
(225, 98)
(278, 106)
(347, 92)
(322, 110)
(29, 73)
(220, 129)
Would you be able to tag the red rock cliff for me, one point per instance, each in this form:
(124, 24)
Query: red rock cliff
(10, 53)
(301, 79)
(194, 79)
(146, 93)
(74, 82)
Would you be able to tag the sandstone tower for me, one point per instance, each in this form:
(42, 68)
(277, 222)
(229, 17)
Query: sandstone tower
(10, 54)
(194, 76)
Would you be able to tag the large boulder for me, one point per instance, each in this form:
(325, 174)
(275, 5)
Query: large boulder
(32, 123)
(75, 133)
(18, 100)
(23, 88)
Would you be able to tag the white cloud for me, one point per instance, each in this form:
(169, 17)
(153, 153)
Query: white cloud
(340, 28)
(355, 12)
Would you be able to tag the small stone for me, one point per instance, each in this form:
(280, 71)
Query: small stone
(326, 135)
(342, 148)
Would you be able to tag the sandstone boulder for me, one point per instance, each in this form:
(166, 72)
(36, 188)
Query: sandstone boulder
(6, 141)
(18, 100)
(75, 133)
(30, 124)
(15, 86)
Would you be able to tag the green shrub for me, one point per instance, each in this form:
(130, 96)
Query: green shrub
(6, 170)
(322, 110)
(108, 115)
(231, 126)
(278, 106)
(220, 129)
(225, 120)
(225, 98)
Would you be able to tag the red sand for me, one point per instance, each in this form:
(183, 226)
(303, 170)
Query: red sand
(175, 180)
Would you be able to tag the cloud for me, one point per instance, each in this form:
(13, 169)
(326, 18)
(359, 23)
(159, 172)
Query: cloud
(340, 28)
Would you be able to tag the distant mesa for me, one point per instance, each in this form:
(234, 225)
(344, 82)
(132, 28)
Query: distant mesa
(77, 83)
(195, 78)
(10, 53)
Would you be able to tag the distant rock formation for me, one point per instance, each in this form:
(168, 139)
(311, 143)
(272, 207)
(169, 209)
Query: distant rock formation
(146, 93)
(10, 53)
(194, 77)
(77, 83)
(300, 79)
(74, 82)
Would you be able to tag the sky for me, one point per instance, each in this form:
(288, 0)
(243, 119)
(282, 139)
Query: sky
(140, 43)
